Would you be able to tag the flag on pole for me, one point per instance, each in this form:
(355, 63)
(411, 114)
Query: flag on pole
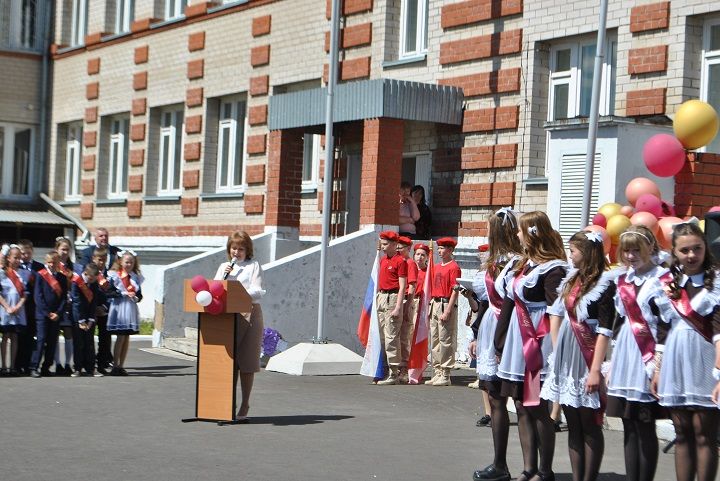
(419, 348)
(369, 329)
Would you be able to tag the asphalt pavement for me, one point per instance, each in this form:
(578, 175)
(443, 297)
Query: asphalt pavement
(302, 428)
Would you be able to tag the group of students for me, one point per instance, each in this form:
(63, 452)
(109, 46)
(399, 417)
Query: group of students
(545, 329)
(39, 301)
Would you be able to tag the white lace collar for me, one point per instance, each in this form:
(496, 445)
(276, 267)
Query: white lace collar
(698, 280)
(639, 279)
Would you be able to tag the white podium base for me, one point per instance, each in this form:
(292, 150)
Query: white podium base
(308, 359)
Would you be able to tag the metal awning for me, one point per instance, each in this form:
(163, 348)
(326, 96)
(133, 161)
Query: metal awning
(369, 99)
(32, 217)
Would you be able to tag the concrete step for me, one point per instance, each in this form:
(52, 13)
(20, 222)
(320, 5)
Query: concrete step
(191, 333)
(181, 344)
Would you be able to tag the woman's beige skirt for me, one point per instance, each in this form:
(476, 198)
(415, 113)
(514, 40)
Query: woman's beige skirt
(249, 340)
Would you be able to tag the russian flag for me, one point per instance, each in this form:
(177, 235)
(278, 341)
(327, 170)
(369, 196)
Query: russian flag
(369, 329)
(419, 348)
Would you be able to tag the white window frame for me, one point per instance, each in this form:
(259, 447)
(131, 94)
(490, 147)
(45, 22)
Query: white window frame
(311, 155)
(709, 58)
(118, 165)
(229, 126)
(79, 22)
(124, 14)
(7, 161)
(22, 36)
(421, 21)
(572, 78)
(167, 180)
(175, 8)
(73, 167)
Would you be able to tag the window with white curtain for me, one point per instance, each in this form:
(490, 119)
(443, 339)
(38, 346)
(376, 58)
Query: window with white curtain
(231, 151)
(710, 76)
(311, 161)
(171, 136)
(413, 27)
(16, 151)
(79, 22)
(124, 15)
(174, 8)
(118, 166)
(73, 154)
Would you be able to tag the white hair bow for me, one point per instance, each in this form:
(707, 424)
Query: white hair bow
(692, 220)
(127, 251)
(533, 230)
(507, 214)
(594, 237)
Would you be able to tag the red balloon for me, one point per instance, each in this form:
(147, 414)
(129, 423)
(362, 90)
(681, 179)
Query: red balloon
(646, 219)
(664, 155)
(216, 307)
(600, 220)
(639, 186)
(217, 289)
(649, 203)
(603, 233)
(199, 283)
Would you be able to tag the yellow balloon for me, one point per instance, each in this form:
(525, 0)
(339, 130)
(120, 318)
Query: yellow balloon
(616, 225)
(610, 209)
(696, 124)
(702, 225)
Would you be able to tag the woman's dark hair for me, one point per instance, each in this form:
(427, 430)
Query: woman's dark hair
(708, 264)
(593, 265)
(422, 191)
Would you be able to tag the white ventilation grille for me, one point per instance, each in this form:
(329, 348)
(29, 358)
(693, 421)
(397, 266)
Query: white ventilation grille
(571, 192)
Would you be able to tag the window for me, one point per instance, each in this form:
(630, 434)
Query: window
(15, 158)
(118, 166)
(73, 151)
(710, 78)
(124, 14)
(413, 27)
(20, 21)
(311, 161)
(171, 132)
(571, 77)
(79, 22)
(231, 146)
(174, 8)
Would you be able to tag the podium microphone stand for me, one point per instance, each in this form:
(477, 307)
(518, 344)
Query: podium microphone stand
(215, 396)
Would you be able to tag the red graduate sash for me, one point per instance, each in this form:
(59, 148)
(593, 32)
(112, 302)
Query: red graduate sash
(103, 282)
(586, 339)
(17, 282)
(80, 282)
(496, 301)
(52, 282)
(125, 279)
(64, 269)
(638, 324)
(684, 308)
(532, 347)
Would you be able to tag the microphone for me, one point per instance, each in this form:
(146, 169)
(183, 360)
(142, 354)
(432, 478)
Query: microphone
(232, 264)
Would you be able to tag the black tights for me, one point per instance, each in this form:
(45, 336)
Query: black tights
(500, 425)
(641, 449)
(696, 447)
(586, 443)
(537, 434)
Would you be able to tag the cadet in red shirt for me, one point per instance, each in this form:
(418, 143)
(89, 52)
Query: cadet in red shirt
(392, 280)
(443, 313)
(406, 330)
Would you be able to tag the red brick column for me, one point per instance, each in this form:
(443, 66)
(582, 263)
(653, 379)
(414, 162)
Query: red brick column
(697, 186)
(284, 182)
(381, 171)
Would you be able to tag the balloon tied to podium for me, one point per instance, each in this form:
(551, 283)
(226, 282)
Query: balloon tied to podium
(210, 295)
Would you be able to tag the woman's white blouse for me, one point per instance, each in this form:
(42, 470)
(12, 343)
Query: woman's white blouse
(248, 273)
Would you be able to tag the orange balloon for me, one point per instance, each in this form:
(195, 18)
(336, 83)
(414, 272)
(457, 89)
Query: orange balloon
(639, 186)
(646, 219)
(603, 233)
(665, 231)
(627, 210)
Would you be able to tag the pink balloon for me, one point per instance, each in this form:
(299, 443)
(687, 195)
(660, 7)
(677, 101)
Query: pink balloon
(668, 209)
(627, 210)
(715, 209)
(664, 155)
(649, 203)
(216, 307)
(603, 233)
(665, 235)
(199, 283)
(599, 219)
(217, 289)
(639, 186)
(646, 219)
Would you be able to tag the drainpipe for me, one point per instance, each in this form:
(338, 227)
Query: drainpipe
(85, 236)
(44, 87)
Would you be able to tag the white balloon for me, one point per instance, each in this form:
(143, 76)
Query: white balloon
(204, 298)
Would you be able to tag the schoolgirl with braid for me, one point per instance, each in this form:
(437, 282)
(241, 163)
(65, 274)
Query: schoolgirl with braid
(688, 373)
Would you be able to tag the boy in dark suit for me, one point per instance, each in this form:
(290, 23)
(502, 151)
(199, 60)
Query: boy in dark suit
(105, 292)
(84, 294)
(50, 295)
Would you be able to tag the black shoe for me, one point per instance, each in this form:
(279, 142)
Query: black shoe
(559, 425)
(546, 476)
(59, 370)
(34, 373)
(45, 372)
(103, 371)
(483, 421)
(491, 473)
(123, 372)
(115, 372)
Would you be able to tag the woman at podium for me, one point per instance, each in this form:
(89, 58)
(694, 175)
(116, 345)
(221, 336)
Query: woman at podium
(242, 268)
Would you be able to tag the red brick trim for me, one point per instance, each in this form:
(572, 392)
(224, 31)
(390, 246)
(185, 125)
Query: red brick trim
(191, 179)
(189, 206)
(256, 144)
(486, 83)
(91, 115)
(193, 124)
(142, 54)
(137, 132)
(355, 36)
(140, 80)
(499, 156)
(135, 183)
(260, 56)
(94, 38)
(194, 228)
(134, 208)
(255, 174)
(93, 66)
(191, 151)
(92, 90)
(139, 106)
(86, 210)
(650, 17)
(87, 186)
(194, 97)
(195, 69)
(261, 25)
(88, 162)
(473, 11)
(137, 157)
(254, 203)
(89, 139)
(697, 186)
(351, 69)
(485, 120)
(259, 85)
(645, 102)
(197, 9)
(257, 114)
(474, 195)
(649, 59)
(483, 46)
(143, 24)
(196, 41)
(349, 7)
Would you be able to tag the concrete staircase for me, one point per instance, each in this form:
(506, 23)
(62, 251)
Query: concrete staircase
(186, 345)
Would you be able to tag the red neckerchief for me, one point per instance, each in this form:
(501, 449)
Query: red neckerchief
(52, 282)
(684, 308)
(125, 279)
(103, 282)
(17, 282)
(638, 324)
(80, 282)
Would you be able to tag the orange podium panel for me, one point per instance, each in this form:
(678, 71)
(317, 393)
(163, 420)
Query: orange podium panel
(215, 398)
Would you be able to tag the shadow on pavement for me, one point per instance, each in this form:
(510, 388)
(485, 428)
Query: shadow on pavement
(160, 371)
(601, 477)
(298, 420)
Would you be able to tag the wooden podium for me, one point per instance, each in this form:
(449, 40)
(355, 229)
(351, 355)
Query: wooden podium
(216, 372)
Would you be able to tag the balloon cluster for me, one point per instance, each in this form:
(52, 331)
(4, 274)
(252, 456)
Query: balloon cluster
(696, 125)
(211, 295)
